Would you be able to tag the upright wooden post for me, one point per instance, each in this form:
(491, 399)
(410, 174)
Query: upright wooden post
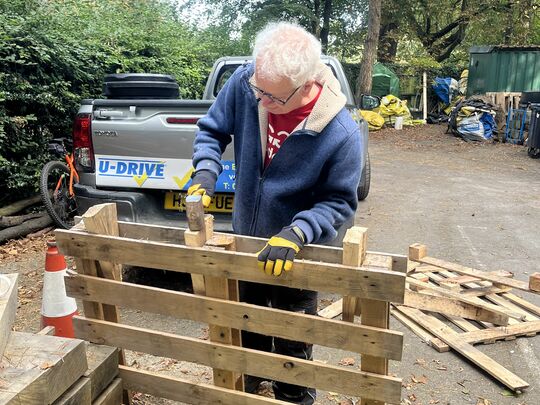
(354, 252)
(102, 219)
(373, 313)
(201, 230)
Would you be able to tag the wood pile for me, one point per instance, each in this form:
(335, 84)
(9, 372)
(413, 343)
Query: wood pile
(38, 369)
(450, 306)
(13, 224)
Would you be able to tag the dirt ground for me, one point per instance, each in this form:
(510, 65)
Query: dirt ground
(474, 204)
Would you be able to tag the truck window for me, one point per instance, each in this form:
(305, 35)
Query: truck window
(224, 74)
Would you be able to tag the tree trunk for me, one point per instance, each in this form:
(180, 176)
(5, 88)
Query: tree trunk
(19, 206)
(370, 49)
(327, 12)
(315, 26)
(25, 228)
(6, 222)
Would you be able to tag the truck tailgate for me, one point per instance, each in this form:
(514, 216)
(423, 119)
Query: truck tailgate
(149, 144)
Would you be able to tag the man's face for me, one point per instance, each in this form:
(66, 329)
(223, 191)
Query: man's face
(274, 93)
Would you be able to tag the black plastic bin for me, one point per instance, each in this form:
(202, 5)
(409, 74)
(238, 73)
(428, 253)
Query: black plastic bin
(140, 86)
(533, 143)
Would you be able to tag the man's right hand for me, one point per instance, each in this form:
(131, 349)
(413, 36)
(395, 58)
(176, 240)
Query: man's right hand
(203, 183)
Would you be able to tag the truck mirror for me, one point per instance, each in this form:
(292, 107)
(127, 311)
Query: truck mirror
(368, 102)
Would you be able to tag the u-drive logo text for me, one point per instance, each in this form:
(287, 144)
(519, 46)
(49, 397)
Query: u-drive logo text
(138, 169)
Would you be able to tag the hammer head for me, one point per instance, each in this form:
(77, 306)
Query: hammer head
(195, 212)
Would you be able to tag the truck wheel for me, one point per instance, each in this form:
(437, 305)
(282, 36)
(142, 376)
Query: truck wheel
(365, 181)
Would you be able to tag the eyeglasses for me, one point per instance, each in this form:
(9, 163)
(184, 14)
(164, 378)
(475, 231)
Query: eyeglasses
(270, 96)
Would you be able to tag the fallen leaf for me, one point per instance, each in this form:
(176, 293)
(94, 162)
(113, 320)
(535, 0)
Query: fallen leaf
(419, 380)
(483, 401)
(420, 362)
(346, 402)
(434, 401)
(46, 365)
(347, 361)
(507, 393)
(412, 397)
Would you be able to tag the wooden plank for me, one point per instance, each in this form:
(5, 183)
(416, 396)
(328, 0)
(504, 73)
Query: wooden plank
(102, 367)
(374, 284)
(453, 339)
(497, 333)
(423, 334)
(8, 307)
(38, 369)
(178, 389)
(89, 267)
(522, 303)
(511, 306)
(246, 244)
(453, 307)
(47, 330)
(469, 300)
(332, 310)
(102, 220)
(520, 285)
(112, 394)
(253, 318)
(376, 314)
(267, 365)
(354, 252)
(78, 394)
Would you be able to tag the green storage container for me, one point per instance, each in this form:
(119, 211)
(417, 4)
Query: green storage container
(503, 69)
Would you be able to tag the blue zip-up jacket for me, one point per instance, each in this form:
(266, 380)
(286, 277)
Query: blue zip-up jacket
(312, 180)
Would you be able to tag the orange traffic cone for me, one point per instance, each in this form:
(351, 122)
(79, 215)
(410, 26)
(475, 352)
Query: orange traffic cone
(57, 309)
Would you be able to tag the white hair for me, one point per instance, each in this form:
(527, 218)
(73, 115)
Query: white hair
(286, 50)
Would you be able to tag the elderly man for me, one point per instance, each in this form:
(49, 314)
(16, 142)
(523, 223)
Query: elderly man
(297, 154)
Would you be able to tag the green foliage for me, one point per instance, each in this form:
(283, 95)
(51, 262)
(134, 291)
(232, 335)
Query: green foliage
(55, 53)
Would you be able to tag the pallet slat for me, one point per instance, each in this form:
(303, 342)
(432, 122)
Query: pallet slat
(346, 280)
(253, 362)
(253, 318)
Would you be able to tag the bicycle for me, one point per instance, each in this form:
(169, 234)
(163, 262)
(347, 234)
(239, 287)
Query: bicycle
(56, 184)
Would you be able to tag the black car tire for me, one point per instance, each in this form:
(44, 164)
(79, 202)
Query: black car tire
(365, 181)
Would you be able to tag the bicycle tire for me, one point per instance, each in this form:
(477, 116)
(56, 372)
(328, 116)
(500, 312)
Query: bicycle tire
(61, 208)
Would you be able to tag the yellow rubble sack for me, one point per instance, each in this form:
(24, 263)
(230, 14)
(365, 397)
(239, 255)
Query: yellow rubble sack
(375, 121)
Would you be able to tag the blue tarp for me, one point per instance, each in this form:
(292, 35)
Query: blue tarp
(442, 88)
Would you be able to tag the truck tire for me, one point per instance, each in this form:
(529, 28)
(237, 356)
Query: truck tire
(365, 181)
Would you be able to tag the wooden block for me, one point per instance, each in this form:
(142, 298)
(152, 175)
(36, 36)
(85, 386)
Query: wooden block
(450, 286)
(112, 394)
(102, 367)
(38, 369)
(78, 394)
(417, 251)
(195, 238)
(534, 282)
(354, 252)
(8, 307)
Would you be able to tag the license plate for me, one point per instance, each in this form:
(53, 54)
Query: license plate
(175, 200)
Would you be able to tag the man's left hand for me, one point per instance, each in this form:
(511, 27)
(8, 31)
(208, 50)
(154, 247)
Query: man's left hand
(280, 251)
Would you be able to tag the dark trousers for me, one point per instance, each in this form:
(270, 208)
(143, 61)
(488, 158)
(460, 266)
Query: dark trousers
(289, 299)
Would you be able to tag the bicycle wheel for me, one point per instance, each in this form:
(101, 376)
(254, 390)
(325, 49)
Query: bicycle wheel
(54, 190)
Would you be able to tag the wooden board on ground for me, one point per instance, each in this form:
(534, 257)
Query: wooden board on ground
(102, 367)
(450, 337)
(78, 394)
(8, 307)
(37, 369)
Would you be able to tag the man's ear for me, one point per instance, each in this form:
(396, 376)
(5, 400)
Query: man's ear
(306, 88)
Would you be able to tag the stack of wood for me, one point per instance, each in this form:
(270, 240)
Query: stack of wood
(450, 306)
(14, 224)
(38, 369)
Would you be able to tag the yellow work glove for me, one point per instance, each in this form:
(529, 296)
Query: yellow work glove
(203, 183)
(280, 251)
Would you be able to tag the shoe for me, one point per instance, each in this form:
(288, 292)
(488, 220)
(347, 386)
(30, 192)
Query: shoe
(252, 383)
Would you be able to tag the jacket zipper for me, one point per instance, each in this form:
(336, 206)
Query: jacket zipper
(261, 181)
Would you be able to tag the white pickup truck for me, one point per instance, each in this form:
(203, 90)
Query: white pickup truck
(134, 148)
